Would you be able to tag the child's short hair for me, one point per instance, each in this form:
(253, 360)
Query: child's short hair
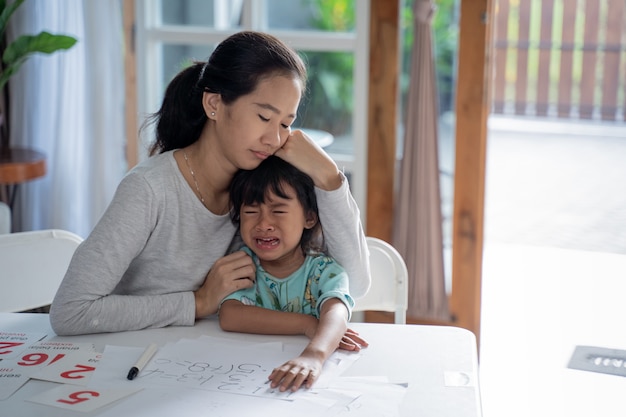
(253, 186)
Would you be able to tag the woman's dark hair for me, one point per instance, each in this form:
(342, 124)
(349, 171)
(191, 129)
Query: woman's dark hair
(234, 69)
(271, 176)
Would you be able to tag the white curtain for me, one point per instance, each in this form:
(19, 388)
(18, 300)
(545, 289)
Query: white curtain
(70, 106)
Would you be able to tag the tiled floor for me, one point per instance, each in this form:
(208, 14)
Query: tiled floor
(555, 214)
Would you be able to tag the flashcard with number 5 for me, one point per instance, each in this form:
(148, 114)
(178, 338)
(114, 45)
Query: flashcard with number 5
(71, 397)
(75, 368)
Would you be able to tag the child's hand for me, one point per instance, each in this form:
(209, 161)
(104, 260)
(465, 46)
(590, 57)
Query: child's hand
(352, 341)
(303, 370)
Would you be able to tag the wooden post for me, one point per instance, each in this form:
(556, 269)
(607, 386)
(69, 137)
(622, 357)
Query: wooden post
(472, 110)
(132, 156)
(382, 113)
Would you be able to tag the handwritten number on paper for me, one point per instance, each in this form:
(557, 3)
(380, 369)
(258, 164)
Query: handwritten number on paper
(78, 397)
(233, 377)
(246, 368)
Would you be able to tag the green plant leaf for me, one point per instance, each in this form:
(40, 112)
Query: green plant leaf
(7, 12)
(9, 71)
(44, 42)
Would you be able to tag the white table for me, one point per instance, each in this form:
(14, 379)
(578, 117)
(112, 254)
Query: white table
(439, 363)
(539, 303)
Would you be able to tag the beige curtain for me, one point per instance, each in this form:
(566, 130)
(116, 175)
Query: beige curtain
(418, 220)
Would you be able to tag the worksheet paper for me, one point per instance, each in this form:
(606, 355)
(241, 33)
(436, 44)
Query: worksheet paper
(358, 396)
(211, 376)
(223, 366)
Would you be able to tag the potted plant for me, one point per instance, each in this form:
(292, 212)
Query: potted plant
(14, 54)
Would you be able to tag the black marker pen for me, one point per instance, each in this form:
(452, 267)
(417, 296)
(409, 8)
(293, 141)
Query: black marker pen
(142, 361)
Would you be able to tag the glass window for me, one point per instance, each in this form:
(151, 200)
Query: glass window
(176, 57)
(172, 34)
(320, 15)
(209, 13)
(328, 103)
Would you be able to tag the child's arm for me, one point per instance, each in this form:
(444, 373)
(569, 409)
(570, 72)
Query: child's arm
(238, 317)
(306, 368)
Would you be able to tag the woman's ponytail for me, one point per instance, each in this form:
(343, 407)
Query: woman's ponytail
(181, 117)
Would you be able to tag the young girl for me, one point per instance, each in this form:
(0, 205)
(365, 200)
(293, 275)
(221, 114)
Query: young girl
(162, 252)
(298, 289)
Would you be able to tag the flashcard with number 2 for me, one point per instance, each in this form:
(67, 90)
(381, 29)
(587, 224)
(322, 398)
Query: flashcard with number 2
(71, 397)
(76, 368)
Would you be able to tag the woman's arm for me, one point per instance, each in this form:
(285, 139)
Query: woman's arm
(306, 368)
(344, 236)
(338, 211)
(84, 302)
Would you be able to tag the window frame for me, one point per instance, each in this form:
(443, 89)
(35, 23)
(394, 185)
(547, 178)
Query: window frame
(149, 37)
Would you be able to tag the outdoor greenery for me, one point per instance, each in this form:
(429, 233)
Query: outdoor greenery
(330, 73)
(445, 34)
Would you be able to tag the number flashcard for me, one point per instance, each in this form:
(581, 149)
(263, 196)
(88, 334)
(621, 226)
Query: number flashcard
(13, 343)
(11, 379)
(83, 399)
(16, 371)
(75, 368)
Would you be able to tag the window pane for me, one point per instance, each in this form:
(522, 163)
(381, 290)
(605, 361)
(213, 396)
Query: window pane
(324, 15)
(176, 57)
(206, 13)
(328, 103)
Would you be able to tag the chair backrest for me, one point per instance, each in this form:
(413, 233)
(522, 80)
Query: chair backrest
(32, 265)
(389, 289)
(5, 218)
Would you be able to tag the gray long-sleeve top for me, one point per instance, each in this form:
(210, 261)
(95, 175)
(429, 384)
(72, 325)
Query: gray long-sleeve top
(155, 244)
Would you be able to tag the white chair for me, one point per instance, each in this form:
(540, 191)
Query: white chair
(32, 265)
(5, 218)
(390, 287)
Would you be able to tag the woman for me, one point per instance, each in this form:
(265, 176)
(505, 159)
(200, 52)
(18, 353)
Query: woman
(162, 253)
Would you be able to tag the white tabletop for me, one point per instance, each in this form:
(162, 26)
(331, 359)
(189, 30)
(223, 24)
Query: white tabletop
(439, 363)
(543, 302)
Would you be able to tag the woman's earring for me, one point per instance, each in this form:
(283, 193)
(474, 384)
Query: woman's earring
(212, 114)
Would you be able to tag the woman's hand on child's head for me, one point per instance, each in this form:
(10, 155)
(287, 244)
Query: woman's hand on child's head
(301, 371)
(352, 341)
(302, 152)
(230, 273)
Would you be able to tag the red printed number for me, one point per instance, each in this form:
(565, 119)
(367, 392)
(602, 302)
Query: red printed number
(79, 368)
(8, 345)
(33, 359)
(78, 397)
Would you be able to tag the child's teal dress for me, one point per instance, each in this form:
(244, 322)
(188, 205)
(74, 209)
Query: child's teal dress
(319, 278)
